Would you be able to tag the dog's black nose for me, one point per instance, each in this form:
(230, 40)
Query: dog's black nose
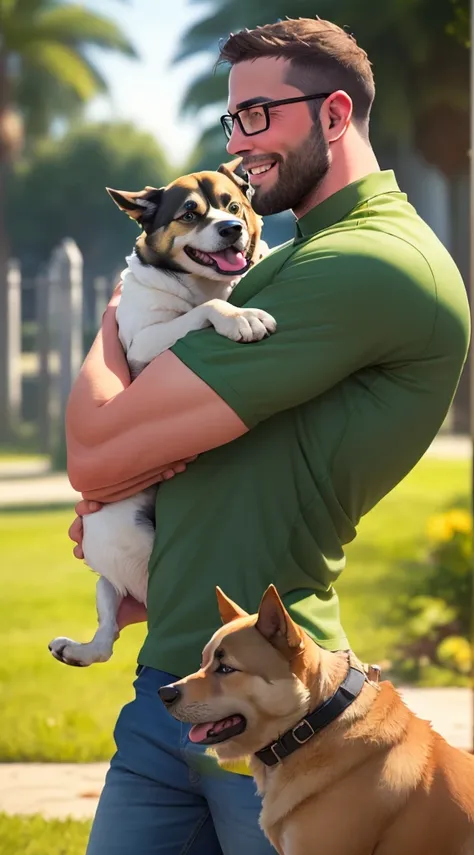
(169, 695)
(230, 229)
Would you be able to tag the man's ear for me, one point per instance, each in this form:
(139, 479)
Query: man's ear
(275, 624)
(228, 610)
(230, 171)
(141, 206)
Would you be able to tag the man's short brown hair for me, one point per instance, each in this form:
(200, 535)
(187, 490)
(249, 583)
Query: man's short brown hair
(322, 58)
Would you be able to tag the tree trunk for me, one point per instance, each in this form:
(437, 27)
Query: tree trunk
(5, 416)
(460, 246)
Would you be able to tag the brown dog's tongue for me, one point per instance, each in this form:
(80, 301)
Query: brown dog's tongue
(229, 260)
(199, 731)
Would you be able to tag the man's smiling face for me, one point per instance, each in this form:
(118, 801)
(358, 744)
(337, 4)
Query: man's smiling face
(292, 153)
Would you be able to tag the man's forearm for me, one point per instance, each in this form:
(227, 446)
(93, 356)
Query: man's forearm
(103, 376)
(122, 435)
(125, 489)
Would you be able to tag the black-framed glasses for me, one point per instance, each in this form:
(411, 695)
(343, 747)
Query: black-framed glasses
(256, 118)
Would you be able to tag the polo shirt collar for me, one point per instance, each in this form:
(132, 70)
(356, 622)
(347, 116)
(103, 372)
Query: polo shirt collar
(340, 204)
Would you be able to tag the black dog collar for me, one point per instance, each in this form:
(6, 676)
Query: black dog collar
(331, 709)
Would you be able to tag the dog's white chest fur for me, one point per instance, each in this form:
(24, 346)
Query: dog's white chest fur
(151, 296)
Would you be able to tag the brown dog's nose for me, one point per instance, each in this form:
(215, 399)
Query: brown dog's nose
(169, 695)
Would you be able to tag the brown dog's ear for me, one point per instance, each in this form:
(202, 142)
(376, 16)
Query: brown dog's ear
(140, 206)
(227, 608)
(229, 170)
(274, 622)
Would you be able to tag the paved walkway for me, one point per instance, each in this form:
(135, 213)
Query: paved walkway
(61, 790)
(31, 484)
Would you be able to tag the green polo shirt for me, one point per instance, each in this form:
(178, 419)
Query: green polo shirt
(341, 402)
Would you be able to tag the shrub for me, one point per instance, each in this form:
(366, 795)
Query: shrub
(436, 610)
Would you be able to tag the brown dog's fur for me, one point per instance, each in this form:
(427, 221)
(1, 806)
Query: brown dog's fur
(377, 781)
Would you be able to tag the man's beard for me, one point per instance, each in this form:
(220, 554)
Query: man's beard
(299, 174)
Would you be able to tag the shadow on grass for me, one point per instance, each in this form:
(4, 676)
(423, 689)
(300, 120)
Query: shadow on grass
(462, 501)
(37, 509)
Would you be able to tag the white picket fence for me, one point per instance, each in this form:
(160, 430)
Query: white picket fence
(58, 350)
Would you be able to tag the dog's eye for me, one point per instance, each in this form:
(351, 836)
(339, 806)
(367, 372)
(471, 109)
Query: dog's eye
(234, 208)
(188, 217)
(224, 669)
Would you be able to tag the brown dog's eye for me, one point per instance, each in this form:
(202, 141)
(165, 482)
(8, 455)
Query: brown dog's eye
(234, 208)
(188, 217)
(224, 669)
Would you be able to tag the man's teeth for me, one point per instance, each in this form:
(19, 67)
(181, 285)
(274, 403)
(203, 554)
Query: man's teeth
(259, 169)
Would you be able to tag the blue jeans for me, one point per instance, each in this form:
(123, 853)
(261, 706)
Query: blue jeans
(164, 796)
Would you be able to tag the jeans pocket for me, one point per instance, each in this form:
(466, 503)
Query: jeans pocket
(123, 721)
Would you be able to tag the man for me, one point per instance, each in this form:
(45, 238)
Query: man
(296, 436)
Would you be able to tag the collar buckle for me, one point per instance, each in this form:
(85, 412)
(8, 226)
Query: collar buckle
(273, 749)
(305, 736)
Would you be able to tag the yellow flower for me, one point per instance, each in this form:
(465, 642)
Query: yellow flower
(455, 652)
(442, 527)
(460, 521)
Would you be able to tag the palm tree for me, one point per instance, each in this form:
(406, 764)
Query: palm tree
(45, 74)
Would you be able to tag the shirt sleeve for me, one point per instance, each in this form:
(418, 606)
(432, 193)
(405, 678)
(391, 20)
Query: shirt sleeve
(338, 309)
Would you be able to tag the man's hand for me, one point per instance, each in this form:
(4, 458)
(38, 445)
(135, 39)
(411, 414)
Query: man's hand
(76, 530)
(130, 611)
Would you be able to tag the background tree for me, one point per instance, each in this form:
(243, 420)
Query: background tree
(61, 192)
(45, 74)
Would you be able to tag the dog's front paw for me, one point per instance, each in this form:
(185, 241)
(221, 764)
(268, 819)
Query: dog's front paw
(244, 324)
(71, 652)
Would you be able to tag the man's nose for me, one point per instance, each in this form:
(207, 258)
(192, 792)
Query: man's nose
(169, 695)
(238, 143)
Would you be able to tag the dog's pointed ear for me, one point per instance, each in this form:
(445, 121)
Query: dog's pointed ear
(230, 171)
(275, 624)
(141, 205)
(228, 610)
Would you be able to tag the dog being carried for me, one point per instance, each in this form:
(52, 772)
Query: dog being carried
(199, 236)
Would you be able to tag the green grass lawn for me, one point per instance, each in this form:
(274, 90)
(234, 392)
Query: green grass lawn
(33, 835)
(47, 710)
(51, 712)
(391, 539)
(21, 457)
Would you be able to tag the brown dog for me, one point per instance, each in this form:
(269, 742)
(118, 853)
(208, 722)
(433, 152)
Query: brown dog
(344, 768)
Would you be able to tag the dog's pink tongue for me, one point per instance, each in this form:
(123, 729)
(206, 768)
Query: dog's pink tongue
(229, 259)
(199, 732)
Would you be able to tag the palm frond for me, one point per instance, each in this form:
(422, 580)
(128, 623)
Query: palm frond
(72, 24)
(208, 89)
(43, 98)
(209, 152)
(66, 65)
(205, 34)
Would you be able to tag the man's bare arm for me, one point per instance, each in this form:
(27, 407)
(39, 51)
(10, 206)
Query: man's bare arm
(122, 436)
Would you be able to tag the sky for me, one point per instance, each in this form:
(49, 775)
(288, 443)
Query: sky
(148, 91)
